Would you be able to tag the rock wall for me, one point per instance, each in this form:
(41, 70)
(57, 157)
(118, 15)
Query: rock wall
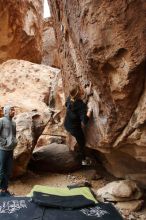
(105, 43)
(50, 54)
(21, 30)
(30, 88)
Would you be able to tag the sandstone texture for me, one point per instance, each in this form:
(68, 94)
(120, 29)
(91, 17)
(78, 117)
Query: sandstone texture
(105, 43)
(32, 89)
(21, 30)
(50, 54)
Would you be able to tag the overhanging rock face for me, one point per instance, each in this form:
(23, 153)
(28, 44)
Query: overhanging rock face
(105, 43)
(20, 30)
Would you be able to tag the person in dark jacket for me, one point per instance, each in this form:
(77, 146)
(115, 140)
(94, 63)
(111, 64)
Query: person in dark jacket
(7, 144)
(77, 116)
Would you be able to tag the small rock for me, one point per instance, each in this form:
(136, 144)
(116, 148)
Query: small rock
(124, 190)
(132, 206)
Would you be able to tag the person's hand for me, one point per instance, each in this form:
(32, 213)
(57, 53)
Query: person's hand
(90, 105)
(90, 109)
(88, 89)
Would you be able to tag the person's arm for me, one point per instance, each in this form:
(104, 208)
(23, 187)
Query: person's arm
(14, 133)
(67, 100)
(15, 129)
(89, 107)
(83, 113)
(3, 141)
(1, 124)
(89, 113)
(88, 92)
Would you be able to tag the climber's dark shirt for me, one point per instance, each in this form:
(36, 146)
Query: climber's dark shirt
(75, 114)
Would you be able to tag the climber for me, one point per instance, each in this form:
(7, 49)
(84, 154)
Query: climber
(7, 144)
(77, 116)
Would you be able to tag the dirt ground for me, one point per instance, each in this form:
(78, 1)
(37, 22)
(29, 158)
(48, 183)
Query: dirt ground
(23, 185)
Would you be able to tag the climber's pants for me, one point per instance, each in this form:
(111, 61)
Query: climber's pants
(80, 138)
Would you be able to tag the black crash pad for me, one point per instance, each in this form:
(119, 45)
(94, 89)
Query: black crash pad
(15, 208)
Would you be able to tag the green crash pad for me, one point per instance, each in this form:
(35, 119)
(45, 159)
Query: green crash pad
(84, 191)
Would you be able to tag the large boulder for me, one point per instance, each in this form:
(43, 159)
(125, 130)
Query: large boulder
(29, 87)
(21, 30)
(26, 143)
(55, 158)
(105, 43)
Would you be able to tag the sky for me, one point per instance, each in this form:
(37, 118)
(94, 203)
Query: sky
(46, 9)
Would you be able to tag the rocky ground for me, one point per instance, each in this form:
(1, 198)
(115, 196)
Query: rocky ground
(23, 185)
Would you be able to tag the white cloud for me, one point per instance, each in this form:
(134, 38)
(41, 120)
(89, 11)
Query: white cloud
(46, 9)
